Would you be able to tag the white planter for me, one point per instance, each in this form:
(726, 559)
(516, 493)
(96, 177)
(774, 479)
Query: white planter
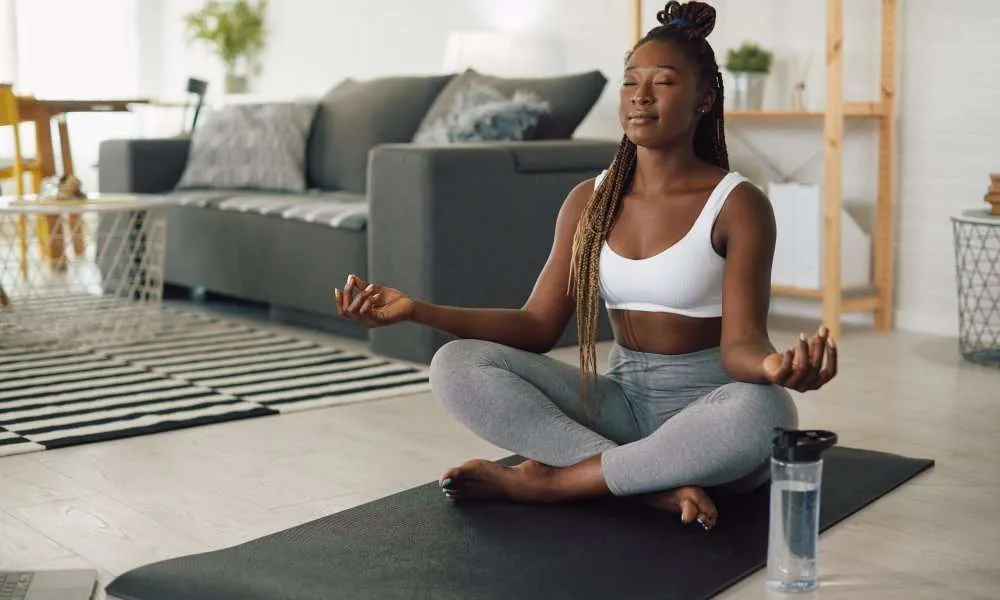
(236, 84)
(747, 91)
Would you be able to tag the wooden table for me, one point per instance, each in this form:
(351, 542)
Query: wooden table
(41, 111)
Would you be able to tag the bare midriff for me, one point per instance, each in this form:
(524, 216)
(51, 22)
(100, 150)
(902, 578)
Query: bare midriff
(664, 333)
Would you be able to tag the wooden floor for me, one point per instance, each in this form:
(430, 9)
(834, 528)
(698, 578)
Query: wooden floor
(118, 505)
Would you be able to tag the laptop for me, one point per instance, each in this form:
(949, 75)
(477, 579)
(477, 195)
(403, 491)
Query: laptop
(50, 584)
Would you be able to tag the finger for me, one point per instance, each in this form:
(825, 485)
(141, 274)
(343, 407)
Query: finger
(785, 369)
(817, 349)
(360, 299)
(368, 305)
(338, 299)
(347, 293)
(830, 369)
(359, 283)
(800, 364)
(815, 362)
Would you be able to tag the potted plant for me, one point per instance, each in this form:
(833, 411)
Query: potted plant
(234, 31)
(749, 65)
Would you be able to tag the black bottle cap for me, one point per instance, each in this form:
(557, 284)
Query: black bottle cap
(797, 446)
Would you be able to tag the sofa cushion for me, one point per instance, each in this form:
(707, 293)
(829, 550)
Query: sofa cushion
(341, 210)
(356, 116)
(251, 146)
(480, 113)
(199, 198)
(570, 98)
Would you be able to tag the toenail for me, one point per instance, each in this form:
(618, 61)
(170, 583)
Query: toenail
(446, 482)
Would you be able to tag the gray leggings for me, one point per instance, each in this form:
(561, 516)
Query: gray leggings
(667, 421)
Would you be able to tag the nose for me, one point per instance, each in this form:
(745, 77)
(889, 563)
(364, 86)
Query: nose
(642, 95)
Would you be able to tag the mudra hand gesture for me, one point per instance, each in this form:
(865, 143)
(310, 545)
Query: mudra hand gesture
(372, 305)
(809, 365)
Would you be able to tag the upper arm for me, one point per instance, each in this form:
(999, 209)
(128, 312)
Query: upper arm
(748, 229)
(549, 299)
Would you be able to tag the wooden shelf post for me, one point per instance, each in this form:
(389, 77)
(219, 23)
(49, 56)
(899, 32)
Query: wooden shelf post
(884, 218)
(635, 23)
(833, 133)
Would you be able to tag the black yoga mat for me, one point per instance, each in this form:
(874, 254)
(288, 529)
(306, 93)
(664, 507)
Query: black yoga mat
(418, 544)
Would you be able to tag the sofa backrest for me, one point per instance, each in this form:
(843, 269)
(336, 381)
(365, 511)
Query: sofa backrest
(356, 116)
(570, 97)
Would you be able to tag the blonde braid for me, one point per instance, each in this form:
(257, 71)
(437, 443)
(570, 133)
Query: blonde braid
(591, 231)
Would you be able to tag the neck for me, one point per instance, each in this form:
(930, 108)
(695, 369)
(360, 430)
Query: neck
(663, 168)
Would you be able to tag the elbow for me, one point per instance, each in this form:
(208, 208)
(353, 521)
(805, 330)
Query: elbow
(743, 360)
(545, 343)
(544, 331)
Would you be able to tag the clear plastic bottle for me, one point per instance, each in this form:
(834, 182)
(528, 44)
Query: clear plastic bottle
(796, 479)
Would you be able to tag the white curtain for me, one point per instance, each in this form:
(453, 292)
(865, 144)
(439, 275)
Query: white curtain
(73, 49)
(8, 42)
(69, 49)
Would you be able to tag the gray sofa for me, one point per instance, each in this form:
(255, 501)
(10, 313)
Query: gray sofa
(459, 223)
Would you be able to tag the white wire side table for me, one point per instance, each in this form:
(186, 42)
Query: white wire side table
(977, 266)
(80, 272)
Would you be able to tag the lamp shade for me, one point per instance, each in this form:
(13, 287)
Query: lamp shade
(503, 54)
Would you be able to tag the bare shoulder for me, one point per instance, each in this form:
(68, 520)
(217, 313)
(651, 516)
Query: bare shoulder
(577, 199)
(747, 210)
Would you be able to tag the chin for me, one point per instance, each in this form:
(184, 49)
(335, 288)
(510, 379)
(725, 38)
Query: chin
(644, 139)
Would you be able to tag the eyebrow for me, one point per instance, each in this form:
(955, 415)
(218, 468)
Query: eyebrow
(671, 67)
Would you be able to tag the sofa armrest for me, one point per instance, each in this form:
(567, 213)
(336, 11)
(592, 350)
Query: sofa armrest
(467, 224)
(141, 166)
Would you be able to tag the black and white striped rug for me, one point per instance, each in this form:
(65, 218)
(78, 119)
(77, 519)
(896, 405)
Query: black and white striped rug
(197, 370)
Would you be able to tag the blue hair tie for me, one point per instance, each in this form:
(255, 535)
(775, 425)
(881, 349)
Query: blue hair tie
(680, 22)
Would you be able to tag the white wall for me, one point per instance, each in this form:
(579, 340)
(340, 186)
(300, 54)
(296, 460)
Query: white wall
(949, 91)
(313, 44)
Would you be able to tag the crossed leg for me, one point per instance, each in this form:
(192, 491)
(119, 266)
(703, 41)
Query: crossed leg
(530, 404)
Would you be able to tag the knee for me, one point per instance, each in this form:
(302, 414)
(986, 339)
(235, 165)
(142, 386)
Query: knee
(458, 356)
(454, 365)
(761, 406)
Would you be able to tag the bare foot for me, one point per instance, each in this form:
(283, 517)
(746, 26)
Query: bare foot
(692, 503)
(529, 481)
(535, 482)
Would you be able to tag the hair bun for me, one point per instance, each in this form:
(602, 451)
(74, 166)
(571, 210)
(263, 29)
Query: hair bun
(698, 17)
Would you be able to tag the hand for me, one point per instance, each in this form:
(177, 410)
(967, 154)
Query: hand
(802, 367)
(372, 305)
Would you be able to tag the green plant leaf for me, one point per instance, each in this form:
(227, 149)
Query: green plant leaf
(232, 29)
(749, 58)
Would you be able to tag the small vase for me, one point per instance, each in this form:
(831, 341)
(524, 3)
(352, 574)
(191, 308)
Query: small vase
(748, 90)
(236, 84)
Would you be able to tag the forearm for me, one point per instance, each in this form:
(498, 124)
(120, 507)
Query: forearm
(509, 326)
(744, 358)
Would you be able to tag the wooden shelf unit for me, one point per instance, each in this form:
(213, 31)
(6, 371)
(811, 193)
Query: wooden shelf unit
(837, 300)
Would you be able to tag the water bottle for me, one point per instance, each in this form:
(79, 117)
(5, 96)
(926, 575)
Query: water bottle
(796, 477)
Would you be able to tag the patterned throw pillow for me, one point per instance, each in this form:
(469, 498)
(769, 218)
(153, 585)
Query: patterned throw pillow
(251, 146)
(480, 113)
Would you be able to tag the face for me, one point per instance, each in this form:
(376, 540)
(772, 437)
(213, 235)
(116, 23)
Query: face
(661, 101)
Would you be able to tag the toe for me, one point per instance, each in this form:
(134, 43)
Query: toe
(689, 511)
(449, 479)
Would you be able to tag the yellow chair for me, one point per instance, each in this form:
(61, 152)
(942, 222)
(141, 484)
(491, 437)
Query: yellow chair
(16, 168)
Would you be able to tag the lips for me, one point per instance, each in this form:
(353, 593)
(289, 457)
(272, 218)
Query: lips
(641, 118)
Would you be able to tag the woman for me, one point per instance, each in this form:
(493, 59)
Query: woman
(680, 249)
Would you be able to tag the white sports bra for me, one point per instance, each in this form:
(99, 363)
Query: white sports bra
(684, 279)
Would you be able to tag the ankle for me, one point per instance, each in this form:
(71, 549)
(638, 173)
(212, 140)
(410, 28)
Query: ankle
(576, 482)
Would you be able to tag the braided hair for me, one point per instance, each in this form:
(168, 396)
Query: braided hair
(685, 26)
